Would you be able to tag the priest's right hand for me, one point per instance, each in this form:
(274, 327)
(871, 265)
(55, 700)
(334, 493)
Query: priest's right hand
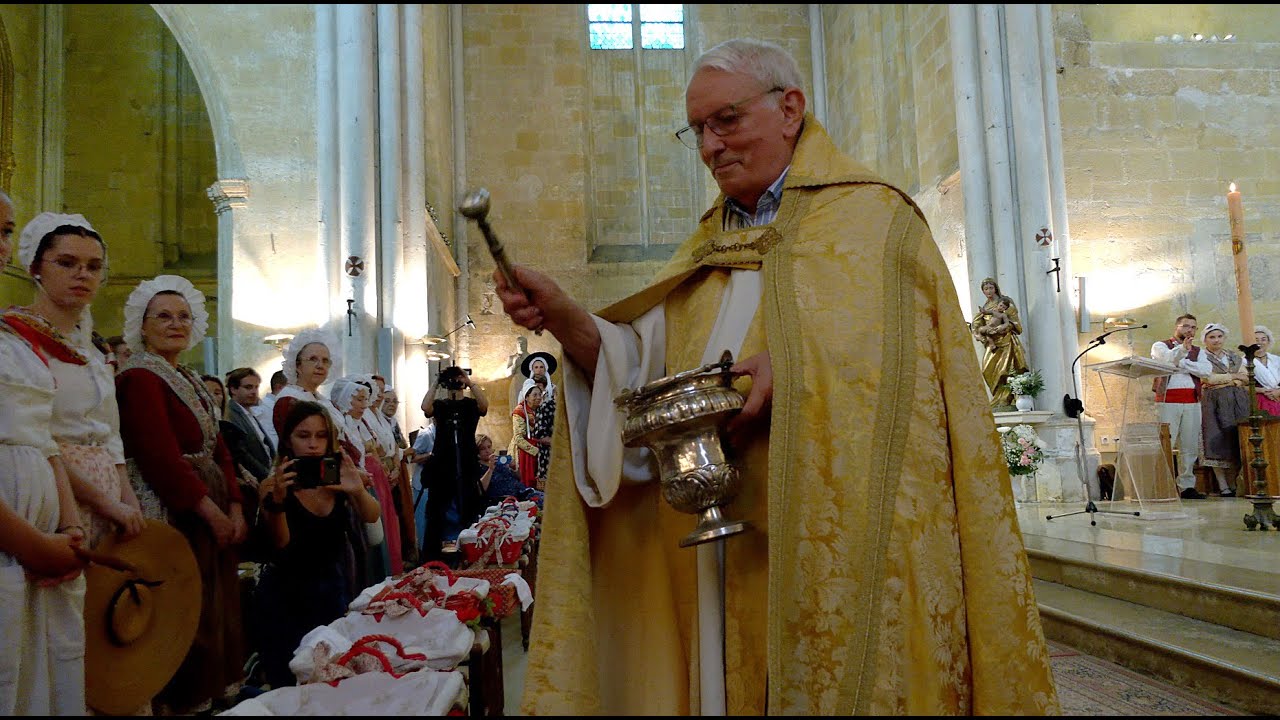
(541, 303)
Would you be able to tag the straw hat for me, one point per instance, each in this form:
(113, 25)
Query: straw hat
(139, 625)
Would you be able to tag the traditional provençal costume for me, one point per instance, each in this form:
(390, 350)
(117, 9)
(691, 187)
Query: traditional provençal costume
(176, 458)
(42, 662)
(881, 576)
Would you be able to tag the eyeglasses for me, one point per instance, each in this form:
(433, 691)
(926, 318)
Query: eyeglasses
(165, 318)
(73, 266)
(722, 122)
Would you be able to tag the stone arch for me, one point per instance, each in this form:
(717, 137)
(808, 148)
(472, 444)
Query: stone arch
(227, 148)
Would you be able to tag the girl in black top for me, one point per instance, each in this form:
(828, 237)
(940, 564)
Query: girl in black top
(305, 584)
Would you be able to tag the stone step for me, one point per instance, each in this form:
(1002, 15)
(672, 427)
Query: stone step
(1234, 597)
(1237, 668)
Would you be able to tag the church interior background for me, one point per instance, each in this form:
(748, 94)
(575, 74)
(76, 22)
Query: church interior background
(302, 164)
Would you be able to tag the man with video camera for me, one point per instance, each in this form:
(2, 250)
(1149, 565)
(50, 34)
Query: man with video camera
(454, 499)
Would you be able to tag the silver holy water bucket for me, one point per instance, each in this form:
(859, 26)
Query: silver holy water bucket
(680, 418)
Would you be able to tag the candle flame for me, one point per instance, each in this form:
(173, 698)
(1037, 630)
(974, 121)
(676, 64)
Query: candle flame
(1233, 187)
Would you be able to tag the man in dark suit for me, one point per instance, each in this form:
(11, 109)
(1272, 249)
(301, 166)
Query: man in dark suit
(248, 443)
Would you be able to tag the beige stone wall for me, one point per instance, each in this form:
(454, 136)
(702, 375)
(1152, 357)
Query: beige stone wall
(531, 128)
(1153, 132)
(890, 104)
(889, 90)
(137, 150)
(23, 28)
(144, 189)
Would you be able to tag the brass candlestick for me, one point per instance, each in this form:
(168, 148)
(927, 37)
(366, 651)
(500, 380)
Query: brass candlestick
(1263, 515)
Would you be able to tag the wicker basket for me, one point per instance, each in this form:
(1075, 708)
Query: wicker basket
(505, 601)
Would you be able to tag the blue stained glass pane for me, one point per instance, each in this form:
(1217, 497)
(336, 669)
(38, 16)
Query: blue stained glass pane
(610, 36)
(609, 13)
(662, 13)
(662, 36)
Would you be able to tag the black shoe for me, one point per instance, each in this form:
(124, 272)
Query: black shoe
(1227, 493)
(1193, 494)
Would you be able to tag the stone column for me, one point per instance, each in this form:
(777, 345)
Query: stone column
(391, 151)
(979, 248)
(1015, 213)
(357, 107)
(228, 195)
(328, 263)
(413, 308)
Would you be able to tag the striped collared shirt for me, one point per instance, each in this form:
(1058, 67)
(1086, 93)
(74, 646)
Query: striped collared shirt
(736, 217)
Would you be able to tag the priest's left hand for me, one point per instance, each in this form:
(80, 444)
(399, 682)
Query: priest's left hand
(756, 410)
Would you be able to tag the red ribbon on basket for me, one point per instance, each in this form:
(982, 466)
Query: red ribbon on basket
(364, 646)
(378, 607)
(490, 534)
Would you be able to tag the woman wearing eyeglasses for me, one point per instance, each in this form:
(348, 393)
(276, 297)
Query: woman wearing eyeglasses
(168, 421)
(67, 259)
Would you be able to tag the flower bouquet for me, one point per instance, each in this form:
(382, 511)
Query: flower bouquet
(1022, 449)
(1029, 383)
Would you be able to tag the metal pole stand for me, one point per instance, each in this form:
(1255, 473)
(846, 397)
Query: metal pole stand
(1074, 408)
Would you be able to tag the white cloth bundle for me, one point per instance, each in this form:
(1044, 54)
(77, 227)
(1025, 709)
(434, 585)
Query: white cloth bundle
(423, 692)
(444, 639)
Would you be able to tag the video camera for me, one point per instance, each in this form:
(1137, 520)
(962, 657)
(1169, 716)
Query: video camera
(451, 378)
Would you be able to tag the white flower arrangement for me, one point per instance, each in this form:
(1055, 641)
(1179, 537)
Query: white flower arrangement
(1022, 449)
(1027, 383)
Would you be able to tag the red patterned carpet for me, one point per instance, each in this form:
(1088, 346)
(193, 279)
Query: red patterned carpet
(1091, 686)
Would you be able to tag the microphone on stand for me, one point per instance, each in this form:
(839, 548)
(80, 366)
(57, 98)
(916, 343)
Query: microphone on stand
(1101, 339)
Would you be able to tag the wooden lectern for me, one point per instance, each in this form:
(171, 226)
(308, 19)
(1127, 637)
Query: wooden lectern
(1143, 472)
(1270, 427)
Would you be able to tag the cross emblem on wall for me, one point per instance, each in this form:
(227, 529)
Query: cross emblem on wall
(1044, 237)
(355, 266)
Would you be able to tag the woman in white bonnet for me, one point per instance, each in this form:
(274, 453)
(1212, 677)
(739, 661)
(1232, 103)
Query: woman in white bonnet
(352, 397)
(42, 665)
(67, 258)
(310, 360)
(1266, 370)
(1224, 402)
(183, 472)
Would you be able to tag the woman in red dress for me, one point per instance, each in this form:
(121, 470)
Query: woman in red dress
(524, 446)
(182, 472)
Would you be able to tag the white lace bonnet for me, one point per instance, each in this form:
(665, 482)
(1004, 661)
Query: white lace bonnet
(344, 390)
(43, 224)
(136, 307)
(303, 339)
(29, 243)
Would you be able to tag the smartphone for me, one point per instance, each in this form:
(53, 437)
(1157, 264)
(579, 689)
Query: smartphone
(317, 470)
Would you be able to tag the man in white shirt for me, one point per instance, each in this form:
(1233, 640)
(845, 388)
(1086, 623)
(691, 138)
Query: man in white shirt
(1177, 398)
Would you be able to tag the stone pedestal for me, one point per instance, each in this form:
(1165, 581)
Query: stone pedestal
(1058, 479)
